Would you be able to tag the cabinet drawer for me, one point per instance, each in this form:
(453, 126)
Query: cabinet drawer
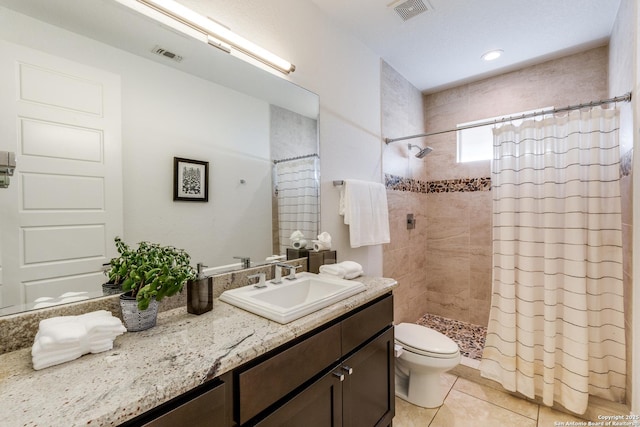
(265, 383)
(366, 323)
(206, 409)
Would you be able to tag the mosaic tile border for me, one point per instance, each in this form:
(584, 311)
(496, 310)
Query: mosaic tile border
(394, 182)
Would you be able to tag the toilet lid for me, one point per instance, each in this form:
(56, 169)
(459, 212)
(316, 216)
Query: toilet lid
(424, 340)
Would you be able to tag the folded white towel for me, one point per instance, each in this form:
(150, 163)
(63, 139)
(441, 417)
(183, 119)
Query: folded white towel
(365, 210)
(64, 338)
(44, 361)
(344, 270)
(70, 332)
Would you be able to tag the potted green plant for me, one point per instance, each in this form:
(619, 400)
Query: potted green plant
(152, 273)
(117, 269)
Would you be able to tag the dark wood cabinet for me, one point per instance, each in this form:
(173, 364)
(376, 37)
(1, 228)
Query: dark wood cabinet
(270, 380)
(340, 374)
(356, 390)
(317, 405)
(368, 389)
(205, 406)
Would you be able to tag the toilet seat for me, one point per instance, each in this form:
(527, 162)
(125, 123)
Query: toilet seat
(425, 341)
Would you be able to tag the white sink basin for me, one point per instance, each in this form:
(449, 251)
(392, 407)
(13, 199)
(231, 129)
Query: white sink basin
(292, 299)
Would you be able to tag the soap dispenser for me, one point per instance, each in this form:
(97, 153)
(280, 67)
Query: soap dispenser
(200, 293)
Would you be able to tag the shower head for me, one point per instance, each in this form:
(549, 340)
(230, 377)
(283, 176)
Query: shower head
(423, 151)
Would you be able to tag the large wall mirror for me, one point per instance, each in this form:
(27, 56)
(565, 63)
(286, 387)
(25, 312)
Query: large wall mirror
(96, 111)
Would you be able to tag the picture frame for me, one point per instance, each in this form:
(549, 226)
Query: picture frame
(190, 180)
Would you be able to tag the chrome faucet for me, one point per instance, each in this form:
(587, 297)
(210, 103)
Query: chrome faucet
(278, 266)
(277, 275)
(261, 280)
(292, 271)
(245, 260)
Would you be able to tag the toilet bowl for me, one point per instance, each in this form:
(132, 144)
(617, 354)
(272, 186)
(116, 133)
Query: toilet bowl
(422, 354)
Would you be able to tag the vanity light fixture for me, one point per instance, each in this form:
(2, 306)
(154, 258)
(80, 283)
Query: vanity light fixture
(217, 35)
(492, 55)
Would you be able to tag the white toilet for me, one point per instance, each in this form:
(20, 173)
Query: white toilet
(422, 354)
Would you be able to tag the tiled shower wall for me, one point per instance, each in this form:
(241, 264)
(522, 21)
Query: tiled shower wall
(444, 264)
(405, 257)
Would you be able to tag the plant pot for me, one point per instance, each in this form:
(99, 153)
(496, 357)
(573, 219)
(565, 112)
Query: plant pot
(135, 319)
(111, 289)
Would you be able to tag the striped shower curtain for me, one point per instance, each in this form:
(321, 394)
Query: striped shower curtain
(556, 327)
(297, 192)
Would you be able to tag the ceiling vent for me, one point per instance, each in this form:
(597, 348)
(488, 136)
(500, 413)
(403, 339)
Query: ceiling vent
(410, 8)
(167, 54)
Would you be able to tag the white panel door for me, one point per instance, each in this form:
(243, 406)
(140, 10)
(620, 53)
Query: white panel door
(63, 208)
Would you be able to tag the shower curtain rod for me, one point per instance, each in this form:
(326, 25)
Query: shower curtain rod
(275, 162)
(624, 98)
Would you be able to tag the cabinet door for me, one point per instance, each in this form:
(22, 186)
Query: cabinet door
(319, 405)
(369, 387)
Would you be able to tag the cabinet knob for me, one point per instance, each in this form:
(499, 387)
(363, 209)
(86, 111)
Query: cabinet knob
(347, 369)
(339, 376)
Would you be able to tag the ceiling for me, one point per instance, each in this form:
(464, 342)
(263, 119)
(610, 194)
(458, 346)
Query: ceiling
(442, 47)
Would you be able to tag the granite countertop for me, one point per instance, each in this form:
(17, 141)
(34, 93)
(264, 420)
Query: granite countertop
(145, 369)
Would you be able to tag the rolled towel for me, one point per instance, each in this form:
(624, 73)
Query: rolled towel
(320, 246)
(344, 270)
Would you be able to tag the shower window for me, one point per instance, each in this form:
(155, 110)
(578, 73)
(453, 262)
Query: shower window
(476, 143)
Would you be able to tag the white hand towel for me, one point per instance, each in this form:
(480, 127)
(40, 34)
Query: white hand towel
(64, 338)
(344, 270)
(46, 361)
(70, 332)
(364, 206)
(333, 270)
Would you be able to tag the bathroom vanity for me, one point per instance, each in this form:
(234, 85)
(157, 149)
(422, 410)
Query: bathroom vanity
(227, 367)
(338, 374)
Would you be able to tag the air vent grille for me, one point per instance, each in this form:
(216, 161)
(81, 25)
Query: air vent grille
(410, 9)
(167, 54)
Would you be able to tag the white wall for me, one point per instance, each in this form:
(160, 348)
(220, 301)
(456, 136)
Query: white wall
(168, 113)
(346, 76)
(623, 77)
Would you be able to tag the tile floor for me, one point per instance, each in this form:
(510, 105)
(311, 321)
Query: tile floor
(470, 404)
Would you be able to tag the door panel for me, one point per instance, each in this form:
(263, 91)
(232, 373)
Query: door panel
(64, 205)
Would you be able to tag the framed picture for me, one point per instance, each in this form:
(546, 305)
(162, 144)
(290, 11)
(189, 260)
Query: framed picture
(190, 180)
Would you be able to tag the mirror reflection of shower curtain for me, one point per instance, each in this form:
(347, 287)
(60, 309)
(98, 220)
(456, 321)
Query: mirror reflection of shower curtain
(297, 190)
(556, 326)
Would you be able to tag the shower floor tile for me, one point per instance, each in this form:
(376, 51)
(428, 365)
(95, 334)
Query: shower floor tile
(469, 337)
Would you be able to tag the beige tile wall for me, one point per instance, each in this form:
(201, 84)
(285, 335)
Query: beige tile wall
(444, 265)
(405, 257)
(459, 224)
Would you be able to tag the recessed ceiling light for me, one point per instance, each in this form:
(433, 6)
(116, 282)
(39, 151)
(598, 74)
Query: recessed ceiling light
(492, 55)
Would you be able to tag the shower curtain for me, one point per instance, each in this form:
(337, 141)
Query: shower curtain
(297, 192)
(556, 327)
